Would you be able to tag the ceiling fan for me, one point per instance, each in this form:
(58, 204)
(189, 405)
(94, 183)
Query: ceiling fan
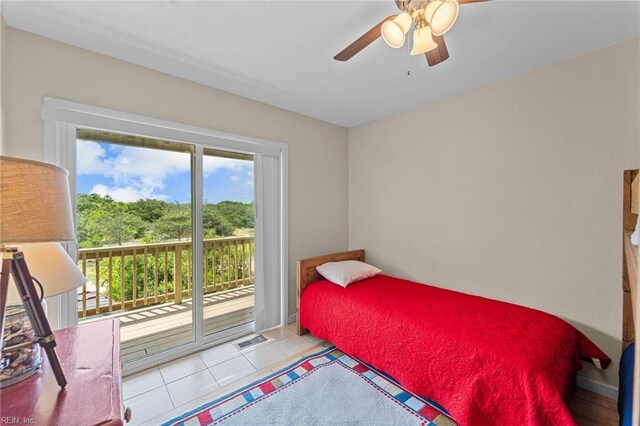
(432, 19)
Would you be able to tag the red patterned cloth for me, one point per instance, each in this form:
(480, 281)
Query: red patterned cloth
(487, 362)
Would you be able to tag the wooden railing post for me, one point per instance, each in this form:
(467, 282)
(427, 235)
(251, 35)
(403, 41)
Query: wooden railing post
(84, 287)
(177, 274)
(134, 285)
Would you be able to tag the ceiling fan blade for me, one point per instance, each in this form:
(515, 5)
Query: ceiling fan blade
(439, 54)
(362, 42)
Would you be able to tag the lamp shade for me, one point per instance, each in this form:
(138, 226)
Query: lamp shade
(393, 31)
(422, 41)
(35, 204)
(441, 15)
(52, 266)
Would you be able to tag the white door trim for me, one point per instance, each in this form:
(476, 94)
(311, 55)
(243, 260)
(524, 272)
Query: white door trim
(62, 117)
(58, 110)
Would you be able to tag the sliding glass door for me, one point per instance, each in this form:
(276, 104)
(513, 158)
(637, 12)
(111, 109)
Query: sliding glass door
(229, 240)
(182, 229)
(136, 231)
(134, 227)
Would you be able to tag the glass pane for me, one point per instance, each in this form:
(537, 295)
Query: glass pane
(228, 226)
(134, 212)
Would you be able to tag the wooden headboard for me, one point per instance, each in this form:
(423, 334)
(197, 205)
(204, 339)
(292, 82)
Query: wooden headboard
(308, 274)
(629, 273)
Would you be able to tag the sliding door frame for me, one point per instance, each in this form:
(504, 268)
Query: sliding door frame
(62, 118)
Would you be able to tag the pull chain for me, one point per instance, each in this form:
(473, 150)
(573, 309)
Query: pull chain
(409, 41)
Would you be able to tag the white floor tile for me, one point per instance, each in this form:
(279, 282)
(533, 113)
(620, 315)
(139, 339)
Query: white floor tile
(153, 393)
(191, 387)
(189, 406)
(313, 339)
(140, 383)
(182, 367)
(218, 354)
(232, 370)
(293, 344)
(265, 356)
(278, 333)
(148, 405)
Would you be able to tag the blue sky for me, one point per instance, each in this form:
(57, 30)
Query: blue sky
(129, 173)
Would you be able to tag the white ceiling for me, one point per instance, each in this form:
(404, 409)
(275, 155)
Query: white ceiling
(280, 52)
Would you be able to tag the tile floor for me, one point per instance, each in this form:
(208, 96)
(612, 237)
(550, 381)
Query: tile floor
(153, 394)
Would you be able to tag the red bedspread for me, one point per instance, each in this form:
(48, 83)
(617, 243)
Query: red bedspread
(487, 362)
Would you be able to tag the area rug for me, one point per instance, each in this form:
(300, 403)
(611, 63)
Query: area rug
(329, 387)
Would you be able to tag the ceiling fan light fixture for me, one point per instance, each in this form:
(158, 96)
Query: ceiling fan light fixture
(422, 41)
(441, 15)
(393, 32)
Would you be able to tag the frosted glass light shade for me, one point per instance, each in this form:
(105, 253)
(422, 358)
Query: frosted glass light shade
(35, 205)
(441, 15)
(52, 266)
(393, 32)
(422, 41)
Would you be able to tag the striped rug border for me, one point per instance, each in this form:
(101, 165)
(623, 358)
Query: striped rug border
(404, 398)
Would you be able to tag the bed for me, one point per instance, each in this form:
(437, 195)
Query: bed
(629, 374)
(487, 362)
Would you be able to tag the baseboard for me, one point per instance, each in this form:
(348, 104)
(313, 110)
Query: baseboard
(597, 387)
(292, 318)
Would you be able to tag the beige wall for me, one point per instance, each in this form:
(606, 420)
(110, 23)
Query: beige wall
(512, 191)
(36, 67)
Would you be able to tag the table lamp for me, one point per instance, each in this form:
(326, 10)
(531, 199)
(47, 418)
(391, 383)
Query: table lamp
(35, 207)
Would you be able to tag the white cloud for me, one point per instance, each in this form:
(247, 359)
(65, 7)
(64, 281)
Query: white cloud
(126, 194)
(235, 178)
(141, 172)
(90, 157)
(212, 164)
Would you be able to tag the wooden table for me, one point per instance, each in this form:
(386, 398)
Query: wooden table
(90, 358)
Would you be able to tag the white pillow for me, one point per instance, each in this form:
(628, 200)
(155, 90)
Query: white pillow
(347, 272)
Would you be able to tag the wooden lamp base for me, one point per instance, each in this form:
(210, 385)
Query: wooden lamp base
(13, 264)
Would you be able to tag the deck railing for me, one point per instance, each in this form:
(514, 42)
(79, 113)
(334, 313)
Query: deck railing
(135, 276)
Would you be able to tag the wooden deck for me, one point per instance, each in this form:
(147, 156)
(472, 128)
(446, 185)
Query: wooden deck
(153, 329)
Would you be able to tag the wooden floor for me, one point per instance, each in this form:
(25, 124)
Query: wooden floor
(157, 328)
(591, 409)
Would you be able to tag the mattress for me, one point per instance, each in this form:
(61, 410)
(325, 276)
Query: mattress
(487, 362)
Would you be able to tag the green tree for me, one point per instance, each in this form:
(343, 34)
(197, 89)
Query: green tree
(149, 209)
(175, 223)
(214, 223)
(117, 226)
(104, 221)
(84, 236)
(240, 215)
(91, 202)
